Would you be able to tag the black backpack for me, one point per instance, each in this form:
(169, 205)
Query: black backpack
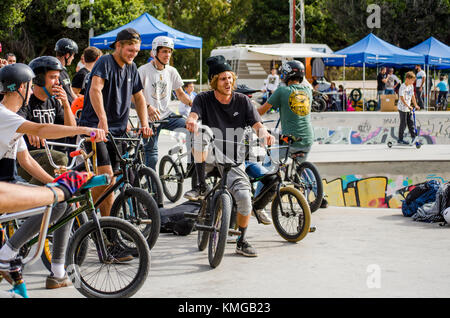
(174, 221)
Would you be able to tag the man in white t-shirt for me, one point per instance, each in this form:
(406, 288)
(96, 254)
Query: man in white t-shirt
(420, 85)
(15, 82)
(406, 95)
(159, 80)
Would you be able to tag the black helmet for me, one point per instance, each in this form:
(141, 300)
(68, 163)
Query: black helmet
(292, 69)
(11, 76)
(66, 45)
(41, 65)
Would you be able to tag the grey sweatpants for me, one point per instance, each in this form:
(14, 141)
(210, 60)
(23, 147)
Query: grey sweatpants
(32, 225)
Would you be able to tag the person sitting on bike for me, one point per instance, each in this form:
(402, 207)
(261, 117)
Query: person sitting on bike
(224, 110)
(159, 79)
(48, 104)
(15, 82)
(294, 101)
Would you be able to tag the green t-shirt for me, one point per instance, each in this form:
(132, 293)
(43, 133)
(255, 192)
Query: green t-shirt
(294, 102)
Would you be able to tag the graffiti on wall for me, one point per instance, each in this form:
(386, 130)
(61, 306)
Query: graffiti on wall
(370, 192)
(380, 131)
(380, 135)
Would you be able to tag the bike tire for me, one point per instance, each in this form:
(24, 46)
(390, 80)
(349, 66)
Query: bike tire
(292, 225)
(46, 255)
(318, 105)
(135, 199)
(221, 221)
(308, 177)
(148, 179)
(128, 276)
(203, 236)
(171, 179)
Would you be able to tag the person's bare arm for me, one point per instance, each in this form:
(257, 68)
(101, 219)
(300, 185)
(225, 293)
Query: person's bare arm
(183, 97)
(32, 167)
(141, 110)
(15, 197)
(51, 131)
(262, 132)
(96, 97)
(264, 108)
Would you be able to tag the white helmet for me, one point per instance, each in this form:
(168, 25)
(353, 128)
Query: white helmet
(446, 215)
(161, 41)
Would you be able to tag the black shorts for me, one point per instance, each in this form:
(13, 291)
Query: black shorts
(106, 154)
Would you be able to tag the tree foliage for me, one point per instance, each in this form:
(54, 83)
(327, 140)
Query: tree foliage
(31, 28)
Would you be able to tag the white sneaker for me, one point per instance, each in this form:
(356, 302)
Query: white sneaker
(262, 216)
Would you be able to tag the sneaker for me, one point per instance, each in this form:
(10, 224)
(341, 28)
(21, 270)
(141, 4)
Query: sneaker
(197, 193)
(52, 282)
(244, 248)
(121, 255)
(262, 216)
(324, 204)
(402, 142)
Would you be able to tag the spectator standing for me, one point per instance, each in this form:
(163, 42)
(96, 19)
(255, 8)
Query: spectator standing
(11, 58)
(184, 109)
(392, 82)
(90, 56)
(65, 52)
(381, 84)
(420, 85)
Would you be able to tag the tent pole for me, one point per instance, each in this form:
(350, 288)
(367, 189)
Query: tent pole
(364, 86)
(344, 102)
(201, 71)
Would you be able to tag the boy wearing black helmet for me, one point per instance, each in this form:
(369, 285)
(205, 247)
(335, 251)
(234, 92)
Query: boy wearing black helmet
(294, 103)
(65, 52)
(48, 104)
(15, 82)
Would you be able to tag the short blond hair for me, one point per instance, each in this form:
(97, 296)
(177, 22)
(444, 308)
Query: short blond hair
(410, 75)
(213, 83)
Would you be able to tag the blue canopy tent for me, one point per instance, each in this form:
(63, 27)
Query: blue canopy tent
(149, 28)
(437, 56)
(372, 51)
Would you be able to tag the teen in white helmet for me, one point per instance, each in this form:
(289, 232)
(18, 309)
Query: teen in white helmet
(159, 80)
(162, 41)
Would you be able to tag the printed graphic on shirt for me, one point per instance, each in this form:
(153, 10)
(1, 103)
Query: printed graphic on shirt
(159, 90)
(11, 153)
(46, 116)
(299, 103)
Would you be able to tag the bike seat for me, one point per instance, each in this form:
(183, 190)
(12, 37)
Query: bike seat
(95, 181)
(298, 154)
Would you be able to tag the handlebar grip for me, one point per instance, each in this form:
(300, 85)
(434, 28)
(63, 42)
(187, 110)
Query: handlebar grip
(93, 134)
(75, 153)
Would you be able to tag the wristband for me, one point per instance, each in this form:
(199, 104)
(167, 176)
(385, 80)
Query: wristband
(55, 195)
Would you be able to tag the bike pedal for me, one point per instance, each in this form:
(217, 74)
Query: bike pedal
(234, 232)
(312, 229)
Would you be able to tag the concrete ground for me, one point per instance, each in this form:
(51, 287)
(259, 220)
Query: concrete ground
(355, 253)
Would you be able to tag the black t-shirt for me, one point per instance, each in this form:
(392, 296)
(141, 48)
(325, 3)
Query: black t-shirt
(120, 85)
(381, 86)
(49, 111)
(64, 80)
(228, 121)
(78, 80)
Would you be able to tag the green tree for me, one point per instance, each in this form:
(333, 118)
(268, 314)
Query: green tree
(215, 21)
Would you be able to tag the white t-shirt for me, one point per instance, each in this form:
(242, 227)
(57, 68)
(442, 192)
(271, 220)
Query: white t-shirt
(407, 92)
(272, 82)
(158, 86)
(420, 76)
(11, 142)
(184, 109)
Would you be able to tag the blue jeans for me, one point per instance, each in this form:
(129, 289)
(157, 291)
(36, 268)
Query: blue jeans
(389, 91)
(151, 144)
